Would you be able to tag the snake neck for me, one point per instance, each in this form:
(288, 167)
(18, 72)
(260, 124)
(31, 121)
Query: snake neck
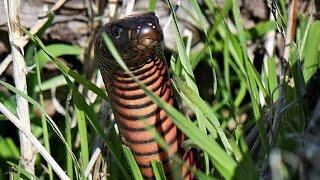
(129, 100)
(134, 111)
(153, 74)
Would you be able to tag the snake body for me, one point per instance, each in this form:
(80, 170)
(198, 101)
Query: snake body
(138, 38)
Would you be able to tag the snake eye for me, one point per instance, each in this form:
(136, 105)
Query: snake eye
(116, 31)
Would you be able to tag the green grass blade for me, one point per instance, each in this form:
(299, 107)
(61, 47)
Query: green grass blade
(132, 162)
(152, 5)
(69, 163)
(91, 115)
(205, 109)
(43, 121)
(158, 170)
(201, 19)
(187, 72)
(219, 17)
(242, 154)
(250, 77)
(82, 128)
(241, 58)
(302, 33)
(226, 66)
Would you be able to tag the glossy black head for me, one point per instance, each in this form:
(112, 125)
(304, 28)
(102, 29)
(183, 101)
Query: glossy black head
(136, 37)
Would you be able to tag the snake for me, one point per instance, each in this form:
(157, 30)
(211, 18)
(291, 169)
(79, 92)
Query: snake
(138, 39)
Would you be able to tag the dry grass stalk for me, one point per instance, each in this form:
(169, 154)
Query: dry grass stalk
(19, 73)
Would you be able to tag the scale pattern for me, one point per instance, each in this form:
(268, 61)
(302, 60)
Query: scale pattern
(134, 111)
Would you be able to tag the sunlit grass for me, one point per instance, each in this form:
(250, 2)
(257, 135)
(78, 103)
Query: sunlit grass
(239, 90)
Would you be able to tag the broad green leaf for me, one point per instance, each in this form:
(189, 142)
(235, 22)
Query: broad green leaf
(310, 53)
(57, 50)
(8, 149)
(272, 79)
(260, 29)
(52, 83)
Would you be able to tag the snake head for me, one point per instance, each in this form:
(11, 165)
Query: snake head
(137, 38)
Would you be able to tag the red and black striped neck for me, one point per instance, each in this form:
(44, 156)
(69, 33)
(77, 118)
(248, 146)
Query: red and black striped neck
(138, 39)
(134, 111)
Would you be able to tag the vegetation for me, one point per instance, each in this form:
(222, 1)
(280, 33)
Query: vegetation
(273, 95)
